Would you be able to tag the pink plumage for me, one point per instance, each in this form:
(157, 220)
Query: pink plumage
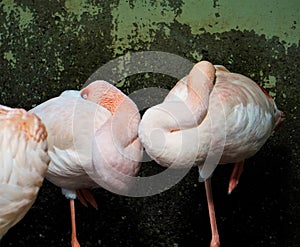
(210, 117)
(93, 141)
(23, 163)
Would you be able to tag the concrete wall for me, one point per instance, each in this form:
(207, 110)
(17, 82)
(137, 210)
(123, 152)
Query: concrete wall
(49, 46)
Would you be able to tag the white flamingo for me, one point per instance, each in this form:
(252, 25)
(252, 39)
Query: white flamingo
(23, 164)
(93, 142)
(211, 116)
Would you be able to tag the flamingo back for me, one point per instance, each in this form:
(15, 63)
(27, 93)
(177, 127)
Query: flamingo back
(249, 113)
(232, 125)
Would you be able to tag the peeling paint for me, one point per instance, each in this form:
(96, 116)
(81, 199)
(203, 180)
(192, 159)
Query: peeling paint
(279, 19)
(78, 7)
(140, 20)
(70, 19)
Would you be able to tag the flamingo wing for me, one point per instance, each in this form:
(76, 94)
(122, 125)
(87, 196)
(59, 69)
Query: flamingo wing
(71, 123)
(23, 163)
(248, 115)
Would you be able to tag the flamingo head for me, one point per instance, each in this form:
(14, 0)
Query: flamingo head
(103, 93)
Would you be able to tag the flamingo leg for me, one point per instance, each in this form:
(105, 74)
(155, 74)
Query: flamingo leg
(215, 242)
(74, 240)
(85, 197)
(235, 176)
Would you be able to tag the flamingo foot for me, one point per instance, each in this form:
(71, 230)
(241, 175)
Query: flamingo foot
(74, 241)
(215, 241)
(235, 176)
(85, 197)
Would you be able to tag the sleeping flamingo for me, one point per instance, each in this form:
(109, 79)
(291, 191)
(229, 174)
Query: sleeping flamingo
(93, 142)
(210, 114)
(23, 164)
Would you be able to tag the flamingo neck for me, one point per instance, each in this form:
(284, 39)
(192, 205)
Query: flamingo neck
(124, 122)
(117, 151)
(169, 128)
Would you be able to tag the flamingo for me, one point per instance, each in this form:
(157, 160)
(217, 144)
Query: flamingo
(23, 163)
(93, 142)
(210, 117)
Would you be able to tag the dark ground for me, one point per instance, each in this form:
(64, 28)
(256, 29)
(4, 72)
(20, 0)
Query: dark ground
(263, 211)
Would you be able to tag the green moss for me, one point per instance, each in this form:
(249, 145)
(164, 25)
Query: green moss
(76, 8)
(196, 55)
(269, 83)
(21, 14)
(9, 56)
(26, 18)
(59, 62)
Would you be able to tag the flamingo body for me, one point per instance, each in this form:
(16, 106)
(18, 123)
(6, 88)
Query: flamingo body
(23, 164)
(250, 118)
(210, 117)
(65, 117)
(93, 142)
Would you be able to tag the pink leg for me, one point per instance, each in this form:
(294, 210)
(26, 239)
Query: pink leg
(235, 175)
(215, 242)
(74, 240)
(85, 197)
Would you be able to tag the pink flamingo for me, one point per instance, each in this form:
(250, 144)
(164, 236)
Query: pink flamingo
(23, 164)
(93, 142)
(212, 113)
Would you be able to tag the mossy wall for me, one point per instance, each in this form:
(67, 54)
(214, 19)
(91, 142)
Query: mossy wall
(50, 46)
(60, 43)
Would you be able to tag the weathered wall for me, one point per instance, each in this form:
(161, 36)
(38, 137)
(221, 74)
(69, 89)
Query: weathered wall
(49, 46)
